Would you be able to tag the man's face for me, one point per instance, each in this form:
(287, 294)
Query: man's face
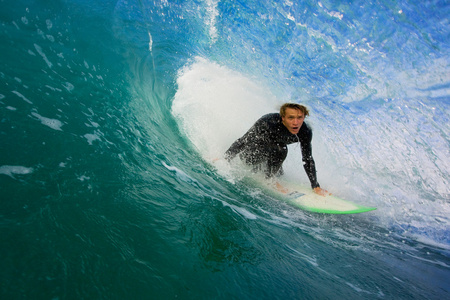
(293, 120)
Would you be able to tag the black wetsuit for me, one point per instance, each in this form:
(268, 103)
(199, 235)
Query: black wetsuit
(266, 143)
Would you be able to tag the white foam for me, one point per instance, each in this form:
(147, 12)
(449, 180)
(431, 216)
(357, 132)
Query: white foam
(15, 170)
(179, 173)
(42, 54)
(68, 86)
(52, 123)
(83, 178)
(242, 211)
(212, 12)
(91, 137)
(22, 97)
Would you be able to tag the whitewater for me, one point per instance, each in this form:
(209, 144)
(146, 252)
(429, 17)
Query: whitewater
(115, 116)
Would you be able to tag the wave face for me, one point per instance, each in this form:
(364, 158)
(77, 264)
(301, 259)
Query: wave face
(112, 113)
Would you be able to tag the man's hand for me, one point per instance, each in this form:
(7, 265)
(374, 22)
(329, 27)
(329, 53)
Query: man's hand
(321, 192)
(281, 188)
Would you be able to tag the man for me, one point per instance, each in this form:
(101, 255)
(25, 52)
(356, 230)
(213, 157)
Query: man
(265, 143)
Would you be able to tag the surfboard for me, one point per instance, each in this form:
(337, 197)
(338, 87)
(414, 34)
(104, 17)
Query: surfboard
(306, 199)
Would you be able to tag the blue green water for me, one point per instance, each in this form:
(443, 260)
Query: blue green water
(113, 111)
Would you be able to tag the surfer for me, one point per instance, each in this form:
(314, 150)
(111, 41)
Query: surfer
(264, 146)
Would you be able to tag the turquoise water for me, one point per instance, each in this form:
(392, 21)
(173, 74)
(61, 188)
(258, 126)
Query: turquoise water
(112, 113)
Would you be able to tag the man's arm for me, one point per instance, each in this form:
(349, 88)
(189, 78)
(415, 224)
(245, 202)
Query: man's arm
(310, 165)
(235, 148)
(308, 161)
(310, 168)
(255, 132)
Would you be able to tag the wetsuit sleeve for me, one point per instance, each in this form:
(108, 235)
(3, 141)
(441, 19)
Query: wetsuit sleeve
(247, 140)
(308, 160)
(235, 148)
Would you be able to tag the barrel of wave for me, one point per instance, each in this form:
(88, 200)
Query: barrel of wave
(215, 105)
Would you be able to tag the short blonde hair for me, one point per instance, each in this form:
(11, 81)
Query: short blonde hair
(299, 107)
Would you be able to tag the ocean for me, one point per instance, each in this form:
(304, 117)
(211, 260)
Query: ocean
(115, 116)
